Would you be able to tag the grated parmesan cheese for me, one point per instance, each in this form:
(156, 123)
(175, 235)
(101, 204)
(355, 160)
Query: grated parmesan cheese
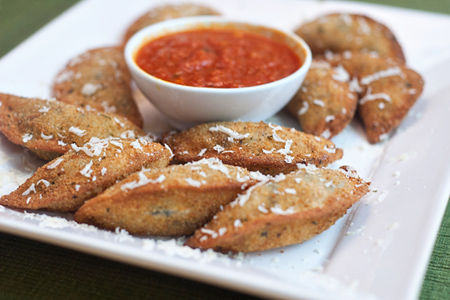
(94, 147)
(279, 211)
(118, 144)
(354, 85)
(143, 180)
(129, 134)
(286, 151)
(64, 76)
(363, 26)
(222, 231)
(45, 182)
(326, 134)
(243, 198)
(27, 137)
(46, 137)
(329, 150)
(77, 131)
(262, 208)
(371, 97)
(357, 231)
(329, 118)
(87, 171)
(109, 109)
(290, 191)
(32, 188)
(347, 54)
(395, 71)
(55, 163)
(168, 148)
(347, 19)
(393, 226)
(232, 134)
(44, 109)
(121, 124)
(237, 223)
(192, 182)
(218, 148)
(304, 108)
(89, 89)
(137, 145)
(340, 74)
(320, 64)
(202, 152)
(319, 102)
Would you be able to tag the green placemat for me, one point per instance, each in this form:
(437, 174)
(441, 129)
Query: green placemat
(34, 270)
(436, 284)
(21, 18)
(440, 6)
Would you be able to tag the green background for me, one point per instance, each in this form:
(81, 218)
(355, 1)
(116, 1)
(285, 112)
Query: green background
(34, 270)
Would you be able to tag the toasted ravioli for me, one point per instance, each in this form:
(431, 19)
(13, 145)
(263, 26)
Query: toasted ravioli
(287, 210)
(98, 79)
(340, 32)
(49, 128)
(325, 104)
(387, 89)
(270, 149)
(170, 201)
(65, 183)
(167, 12)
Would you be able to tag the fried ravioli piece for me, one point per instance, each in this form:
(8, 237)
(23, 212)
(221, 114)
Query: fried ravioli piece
(287, 210)
(324, 105)
(340, 32)
(170, 201)
(49, 128)
(65, 183)
(98, 79)
(387, 87)
(261, 147)
(167, 12)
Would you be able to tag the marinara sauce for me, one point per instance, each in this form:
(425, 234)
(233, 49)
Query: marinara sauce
(219, 58)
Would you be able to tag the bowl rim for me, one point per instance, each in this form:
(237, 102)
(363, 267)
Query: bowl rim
(175, 25)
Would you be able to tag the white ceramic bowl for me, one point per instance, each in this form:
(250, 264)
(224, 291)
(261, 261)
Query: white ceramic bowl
(186, 106)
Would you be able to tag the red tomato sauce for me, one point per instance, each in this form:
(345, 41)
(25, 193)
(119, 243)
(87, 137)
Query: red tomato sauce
(219, 58)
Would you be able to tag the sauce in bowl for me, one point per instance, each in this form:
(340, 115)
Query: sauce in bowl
(218, 58)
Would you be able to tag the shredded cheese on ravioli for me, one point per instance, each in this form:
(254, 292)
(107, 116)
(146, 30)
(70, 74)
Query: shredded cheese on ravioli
(232, 134)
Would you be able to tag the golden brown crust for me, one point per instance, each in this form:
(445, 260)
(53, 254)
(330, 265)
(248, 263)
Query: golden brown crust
(284, 211)
(340, 32)
(65, 183)
(387, 88)
(167, 12)
(98, 79)
(270, 149)
(169, 201)
(49, 128)
(324, 105)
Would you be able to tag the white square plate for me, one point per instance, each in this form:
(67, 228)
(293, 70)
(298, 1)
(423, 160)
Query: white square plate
(380, 249)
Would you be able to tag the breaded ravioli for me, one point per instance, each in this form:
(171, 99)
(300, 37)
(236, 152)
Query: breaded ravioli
(287, 210)
(170, 201)
(167, 12)
(325, 104)
(49, 127)
(339, 32)
(65, 183)
(387, 88)
(270, 149)
(98, 79)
